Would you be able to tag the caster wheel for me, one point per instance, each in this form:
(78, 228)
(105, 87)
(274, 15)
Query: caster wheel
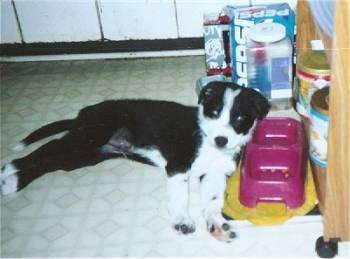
(326, 249)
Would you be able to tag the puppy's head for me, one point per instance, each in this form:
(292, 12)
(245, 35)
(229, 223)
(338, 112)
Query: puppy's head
(228, 113)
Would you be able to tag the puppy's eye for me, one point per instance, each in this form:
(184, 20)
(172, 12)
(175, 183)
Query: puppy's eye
(215, 113)
(240, 118)
(241, 123)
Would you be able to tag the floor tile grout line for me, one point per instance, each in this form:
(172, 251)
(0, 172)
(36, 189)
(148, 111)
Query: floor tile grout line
(65, 215)
(109, 214)
(136, 203)
(42, 202)
(87, 209)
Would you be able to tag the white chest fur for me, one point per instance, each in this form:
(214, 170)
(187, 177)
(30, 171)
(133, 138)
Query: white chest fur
(212, 159)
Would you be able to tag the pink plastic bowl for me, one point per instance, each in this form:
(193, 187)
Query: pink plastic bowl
(274, 165)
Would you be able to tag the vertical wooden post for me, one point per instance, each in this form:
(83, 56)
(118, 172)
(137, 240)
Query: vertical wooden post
(333, 187)
(306, 32)
(337, 199)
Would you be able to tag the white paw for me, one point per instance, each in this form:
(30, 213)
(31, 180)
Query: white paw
(18, 146)
(8, 179)
(184, 225)
(220, 228)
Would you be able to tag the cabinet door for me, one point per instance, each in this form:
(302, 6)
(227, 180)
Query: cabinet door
(9, 29)
(190, 14)
(58, 20)
(138, 19)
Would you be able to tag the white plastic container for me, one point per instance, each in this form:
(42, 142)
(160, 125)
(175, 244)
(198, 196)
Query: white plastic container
(269, 61)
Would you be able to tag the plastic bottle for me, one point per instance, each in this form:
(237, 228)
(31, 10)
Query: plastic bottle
(269, 60)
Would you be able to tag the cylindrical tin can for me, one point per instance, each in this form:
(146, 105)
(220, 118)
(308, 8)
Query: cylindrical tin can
(313, 73)
(319, 126)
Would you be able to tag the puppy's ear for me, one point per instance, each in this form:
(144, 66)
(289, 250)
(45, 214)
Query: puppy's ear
(204, 94)
(261, 104)
(212, 90)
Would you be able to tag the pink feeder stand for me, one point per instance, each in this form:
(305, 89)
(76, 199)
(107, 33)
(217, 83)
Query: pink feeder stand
(274, 165)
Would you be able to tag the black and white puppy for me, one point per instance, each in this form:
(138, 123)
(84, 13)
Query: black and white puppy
(187, 141)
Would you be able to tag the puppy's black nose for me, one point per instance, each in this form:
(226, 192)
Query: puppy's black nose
(221, 141)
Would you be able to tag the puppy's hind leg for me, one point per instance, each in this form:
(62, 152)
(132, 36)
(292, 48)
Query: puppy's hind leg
(118, 143)
(54, 155)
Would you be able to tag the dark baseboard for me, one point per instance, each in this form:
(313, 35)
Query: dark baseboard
(57, 48)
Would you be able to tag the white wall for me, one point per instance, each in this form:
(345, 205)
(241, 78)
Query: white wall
(123, 20)
(9, 28)
(190, 14)
(58, 20)
(78, 20)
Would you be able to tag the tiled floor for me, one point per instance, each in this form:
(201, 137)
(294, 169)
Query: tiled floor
(116, 208)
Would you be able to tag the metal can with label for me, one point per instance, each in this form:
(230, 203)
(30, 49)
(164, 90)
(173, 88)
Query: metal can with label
(313, 73)
(319, 126)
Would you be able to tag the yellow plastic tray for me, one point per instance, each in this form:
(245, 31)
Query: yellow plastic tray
(266, 213)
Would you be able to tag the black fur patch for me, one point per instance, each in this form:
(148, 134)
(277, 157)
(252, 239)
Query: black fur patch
(248, 105)
(112, 129)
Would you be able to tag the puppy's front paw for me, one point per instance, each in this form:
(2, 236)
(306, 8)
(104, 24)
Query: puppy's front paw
(184, 226)
(220, 228)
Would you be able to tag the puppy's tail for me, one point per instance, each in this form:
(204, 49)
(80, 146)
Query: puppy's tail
(44, 132)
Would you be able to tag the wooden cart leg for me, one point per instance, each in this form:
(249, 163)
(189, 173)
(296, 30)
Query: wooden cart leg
(337, 205)
(335, 192)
